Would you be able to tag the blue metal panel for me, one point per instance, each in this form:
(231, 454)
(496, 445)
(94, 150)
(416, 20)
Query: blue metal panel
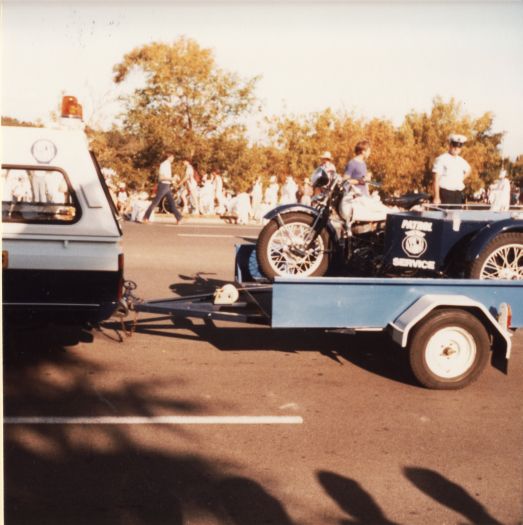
(336, 302)
(441, 232)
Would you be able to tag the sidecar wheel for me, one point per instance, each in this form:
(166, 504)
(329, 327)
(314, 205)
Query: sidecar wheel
(274, 248)
(502, 258)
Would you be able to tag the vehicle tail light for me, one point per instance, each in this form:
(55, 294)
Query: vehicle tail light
(505, 315)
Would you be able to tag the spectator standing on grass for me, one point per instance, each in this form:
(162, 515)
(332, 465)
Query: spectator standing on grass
(306, 192)
(289, 191)
(450, 171)
(165, 178)
(207, 195)
(271, 193)
(218, 192)
(500, 194)
(256, 195)
(192, 187)
(121, 198)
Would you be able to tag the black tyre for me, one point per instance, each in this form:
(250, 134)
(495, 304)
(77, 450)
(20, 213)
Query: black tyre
(163, 206)
(449, 349)
(502, 258)
(280, 250)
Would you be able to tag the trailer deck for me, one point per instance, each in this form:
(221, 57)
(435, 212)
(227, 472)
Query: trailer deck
(448, 325)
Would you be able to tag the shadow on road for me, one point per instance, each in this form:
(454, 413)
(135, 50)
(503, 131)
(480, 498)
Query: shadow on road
(449, 494)
(108, 474)
(361, 507)
(352, 499)
(374, 352)
(198, 283)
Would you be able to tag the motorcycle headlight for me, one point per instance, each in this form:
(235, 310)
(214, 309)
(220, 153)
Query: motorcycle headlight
(320, 178)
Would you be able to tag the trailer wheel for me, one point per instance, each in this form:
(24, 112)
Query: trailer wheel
(502, 258)
(449, 349)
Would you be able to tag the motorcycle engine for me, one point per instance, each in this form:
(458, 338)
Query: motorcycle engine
(345, 208)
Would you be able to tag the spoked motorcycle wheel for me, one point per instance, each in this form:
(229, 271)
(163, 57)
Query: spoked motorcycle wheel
(281, 249)
(502, 258)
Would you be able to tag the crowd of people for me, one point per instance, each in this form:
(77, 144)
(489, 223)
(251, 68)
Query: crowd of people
(208, 194)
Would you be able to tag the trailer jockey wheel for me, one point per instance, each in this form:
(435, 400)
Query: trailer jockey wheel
(448, 349)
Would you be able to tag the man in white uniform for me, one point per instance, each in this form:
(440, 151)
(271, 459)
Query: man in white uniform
(450, 171)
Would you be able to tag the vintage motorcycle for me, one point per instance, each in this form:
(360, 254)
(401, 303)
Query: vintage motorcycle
(341, 226)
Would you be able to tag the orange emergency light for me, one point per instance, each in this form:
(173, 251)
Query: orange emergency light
(71, 108)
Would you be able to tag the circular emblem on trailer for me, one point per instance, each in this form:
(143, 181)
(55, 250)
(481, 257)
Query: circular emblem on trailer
(43, 151)
(414, 244)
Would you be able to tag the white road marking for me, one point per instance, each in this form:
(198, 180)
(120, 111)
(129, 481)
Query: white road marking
(205, 235)
(157, 420)
(287, 406)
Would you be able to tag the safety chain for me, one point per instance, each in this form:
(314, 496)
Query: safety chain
(126, 305)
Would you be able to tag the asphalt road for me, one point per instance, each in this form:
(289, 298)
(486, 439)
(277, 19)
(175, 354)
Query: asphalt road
(355, 440)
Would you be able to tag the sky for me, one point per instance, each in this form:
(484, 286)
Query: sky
(374, 59)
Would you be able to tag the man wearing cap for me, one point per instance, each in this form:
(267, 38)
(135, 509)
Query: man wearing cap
(326, 163)
(450, 171)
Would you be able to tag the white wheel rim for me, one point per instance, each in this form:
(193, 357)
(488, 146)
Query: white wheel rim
(450, 352)
(283, 261)
(504, 263)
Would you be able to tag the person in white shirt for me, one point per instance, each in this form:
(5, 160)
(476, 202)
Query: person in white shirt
(288, 191)
(272, 192)
(499, 197)
(139, 206)
(165, 178)
(450, 171)
(218, 192)
(207, 195)
(256, 198)
(192, 187)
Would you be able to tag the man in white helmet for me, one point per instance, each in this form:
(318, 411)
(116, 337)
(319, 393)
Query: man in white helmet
(450, 171)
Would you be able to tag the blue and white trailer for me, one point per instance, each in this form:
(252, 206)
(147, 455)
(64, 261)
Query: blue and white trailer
(448, 326)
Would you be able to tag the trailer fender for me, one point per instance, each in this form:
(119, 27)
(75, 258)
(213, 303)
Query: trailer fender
(277, 212)
(415, 313)
(487, 233)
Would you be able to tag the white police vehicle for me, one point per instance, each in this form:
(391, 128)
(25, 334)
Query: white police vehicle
(62, 257)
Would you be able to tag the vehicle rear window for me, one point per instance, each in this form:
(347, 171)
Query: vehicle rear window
(37, 195)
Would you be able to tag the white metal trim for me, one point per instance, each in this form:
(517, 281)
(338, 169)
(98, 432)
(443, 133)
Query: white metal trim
(402, 325)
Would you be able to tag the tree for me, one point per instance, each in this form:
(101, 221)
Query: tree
(184, 103)
(11, 121)
(431, 133)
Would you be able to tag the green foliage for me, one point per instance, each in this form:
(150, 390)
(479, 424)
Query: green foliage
(515, 170)
(185, 104)
(182, 102)
(10, 121)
